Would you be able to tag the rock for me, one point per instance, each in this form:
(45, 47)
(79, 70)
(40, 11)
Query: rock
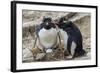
(27, 55)
(32, 55)
(49, 50)
(40, 56)
(49, 57)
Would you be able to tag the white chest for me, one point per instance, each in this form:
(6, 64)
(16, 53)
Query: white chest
(48, 37)
(64, 37)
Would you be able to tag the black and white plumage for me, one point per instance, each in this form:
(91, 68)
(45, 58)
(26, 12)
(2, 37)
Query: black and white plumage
(72, 38)
(47, 35)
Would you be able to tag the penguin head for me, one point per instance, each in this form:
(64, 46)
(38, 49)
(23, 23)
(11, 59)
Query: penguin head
(47, 23)
(62, 20)
(64, 23)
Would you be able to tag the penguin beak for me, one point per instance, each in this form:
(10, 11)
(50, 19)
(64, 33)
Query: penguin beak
(47, 23)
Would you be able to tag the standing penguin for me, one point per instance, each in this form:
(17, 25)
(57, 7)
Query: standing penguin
(71, 37)
(47, 35)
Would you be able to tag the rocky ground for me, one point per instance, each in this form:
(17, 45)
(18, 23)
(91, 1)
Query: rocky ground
(33, 18)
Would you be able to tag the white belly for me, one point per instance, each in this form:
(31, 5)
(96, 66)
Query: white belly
(48, 37)
(64, 37)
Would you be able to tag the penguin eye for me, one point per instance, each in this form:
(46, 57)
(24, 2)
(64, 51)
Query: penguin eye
(47, 20)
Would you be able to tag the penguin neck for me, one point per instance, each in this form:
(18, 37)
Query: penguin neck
(47, 29)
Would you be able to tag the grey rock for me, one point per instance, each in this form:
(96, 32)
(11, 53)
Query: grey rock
(27, 55)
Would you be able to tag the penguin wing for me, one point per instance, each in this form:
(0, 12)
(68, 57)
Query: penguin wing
(37, 29)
